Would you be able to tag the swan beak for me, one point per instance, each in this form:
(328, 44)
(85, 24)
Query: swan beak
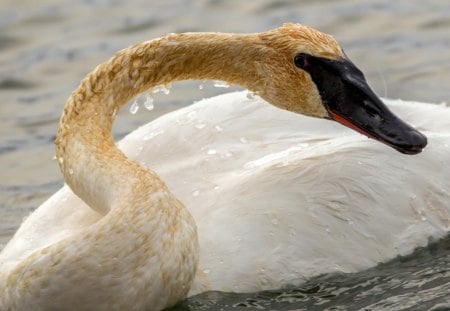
(350, 101)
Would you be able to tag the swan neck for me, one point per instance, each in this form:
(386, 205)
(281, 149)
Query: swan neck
(92, 166)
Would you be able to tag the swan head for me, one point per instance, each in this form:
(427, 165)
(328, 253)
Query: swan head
(307, 72)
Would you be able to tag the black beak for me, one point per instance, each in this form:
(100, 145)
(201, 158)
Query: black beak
(350, 101)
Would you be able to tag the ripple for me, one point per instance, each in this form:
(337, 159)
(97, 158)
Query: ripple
(419, 281)
(15, 84)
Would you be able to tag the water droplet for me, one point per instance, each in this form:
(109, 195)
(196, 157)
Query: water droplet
(200, 125)
(275, 221)
(216, 188)
(206, 271)
(251, 95)
(200, 86)
(61, 160)
(54, 158)
(70, 171)
(196, 193)
(228, 154)
(218, 128)
(148, 104)
(220, 83)
(153, 134)
(114, 113)
(211, 151)
(243, 140)
(134, 107)
(162, 88)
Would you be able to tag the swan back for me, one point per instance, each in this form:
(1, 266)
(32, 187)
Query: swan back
(299, 198)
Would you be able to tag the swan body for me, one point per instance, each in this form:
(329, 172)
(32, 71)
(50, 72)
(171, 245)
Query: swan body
(296, 197)
(271, 198)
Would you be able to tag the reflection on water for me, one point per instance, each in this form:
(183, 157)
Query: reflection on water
(47, 46)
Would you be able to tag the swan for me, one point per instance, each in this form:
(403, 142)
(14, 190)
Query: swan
(270, 197)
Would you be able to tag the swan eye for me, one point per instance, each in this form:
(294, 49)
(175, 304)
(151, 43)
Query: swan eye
(300, 61)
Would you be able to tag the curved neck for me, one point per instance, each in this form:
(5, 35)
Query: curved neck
(84, 144)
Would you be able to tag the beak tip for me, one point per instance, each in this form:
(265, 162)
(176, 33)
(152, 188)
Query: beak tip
(417, 142)
(421, 139)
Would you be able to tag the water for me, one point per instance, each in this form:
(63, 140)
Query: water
(48, 46)
(416, 282)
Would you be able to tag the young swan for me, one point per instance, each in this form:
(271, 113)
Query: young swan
(143, 252)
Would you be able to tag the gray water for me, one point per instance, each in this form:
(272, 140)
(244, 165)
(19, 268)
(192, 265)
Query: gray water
(48, 46)
(420, 281)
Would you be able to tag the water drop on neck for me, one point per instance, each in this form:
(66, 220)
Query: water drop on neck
(167, 89)
(148, 104)
(134, 107)
(220, 83)
(251, 95)
(162, 88)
